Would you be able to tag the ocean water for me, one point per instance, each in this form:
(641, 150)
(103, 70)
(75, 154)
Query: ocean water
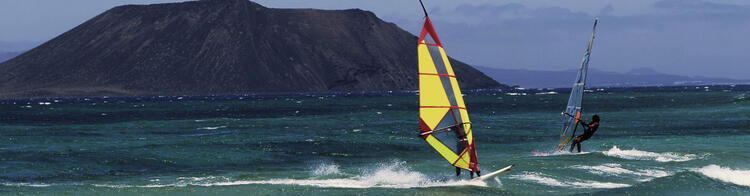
(651, 142)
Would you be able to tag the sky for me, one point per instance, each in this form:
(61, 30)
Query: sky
(684, 37)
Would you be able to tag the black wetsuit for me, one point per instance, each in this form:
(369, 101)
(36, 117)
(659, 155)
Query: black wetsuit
(587, 133)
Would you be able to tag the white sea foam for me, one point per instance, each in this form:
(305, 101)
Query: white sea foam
(138, 186)
(326, 169)
(645, 155)
(573, 183)
(212, 128)
(393, 175)
(614, 169)
(25, 184)
(734, 176)
(560, 153)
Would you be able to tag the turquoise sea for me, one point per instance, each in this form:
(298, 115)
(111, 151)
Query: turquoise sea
(652, 141)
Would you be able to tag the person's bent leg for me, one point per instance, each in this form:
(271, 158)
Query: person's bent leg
(579, 147)
(458, 171)
(572, 145)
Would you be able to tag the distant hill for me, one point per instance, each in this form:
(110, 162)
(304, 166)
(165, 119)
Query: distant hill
(598, 78)
(222, 47)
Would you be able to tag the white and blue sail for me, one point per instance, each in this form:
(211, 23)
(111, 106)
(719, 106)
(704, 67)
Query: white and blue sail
(572, 113)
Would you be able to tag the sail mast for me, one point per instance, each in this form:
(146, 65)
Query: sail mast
(425, 10)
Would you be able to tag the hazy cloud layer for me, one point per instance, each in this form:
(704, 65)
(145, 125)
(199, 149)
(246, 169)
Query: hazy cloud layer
(682, 37)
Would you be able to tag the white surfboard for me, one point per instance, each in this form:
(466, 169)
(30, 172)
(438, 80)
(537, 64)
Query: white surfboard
(495, 173)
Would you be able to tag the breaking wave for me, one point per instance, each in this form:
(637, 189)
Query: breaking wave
(393, 175)
(211, 128)
(614, 169)
(558, 153)
(26, 184)
(326, 169)
(734, 176)
(542, 179)
(645, 155)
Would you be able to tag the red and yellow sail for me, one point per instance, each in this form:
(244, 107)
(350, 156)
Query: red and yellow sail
(443, 120)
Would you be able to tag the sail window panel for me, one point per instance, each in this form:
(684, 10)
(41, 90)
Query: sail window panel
(447, 121)
(450, 137)
(444, 57)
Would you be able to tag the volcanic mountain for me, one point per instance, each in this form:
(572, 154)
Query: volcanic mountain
(222, 47)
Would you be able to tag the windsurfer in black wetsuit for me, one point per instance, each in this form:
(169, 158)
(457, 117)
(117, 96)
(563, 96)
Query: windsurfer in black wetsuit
(589, 129)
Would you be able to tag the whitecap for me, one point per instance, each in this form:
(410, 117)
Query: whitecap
(734, 176)
(573, 183)
(211, 128)
(26, 184)
(393, 175)
(614, 169)
(559, 153)
(645, 155)
(326, 169)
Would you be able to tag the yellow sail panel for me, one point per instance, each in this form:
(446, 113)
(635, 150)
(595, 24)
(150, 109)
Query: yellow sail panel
(465, 159)
(431, 92)
(469, 134)
(463, 163)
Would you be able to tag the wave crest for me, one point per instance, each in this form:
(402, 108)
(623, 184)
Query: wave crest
(574, 183)
(645, 155)
(617, 170)
(734, 176)
(392, 175)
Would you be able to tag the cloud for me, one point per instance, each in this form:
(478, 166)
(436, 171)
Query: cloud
(700, 6)
(607, 10)
(681, 37)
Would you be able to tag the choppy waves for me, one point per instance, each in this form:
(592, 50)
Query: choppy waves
(571, 183)
(614, 169)
(392, 175)
(645, 155)
(734, 176)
